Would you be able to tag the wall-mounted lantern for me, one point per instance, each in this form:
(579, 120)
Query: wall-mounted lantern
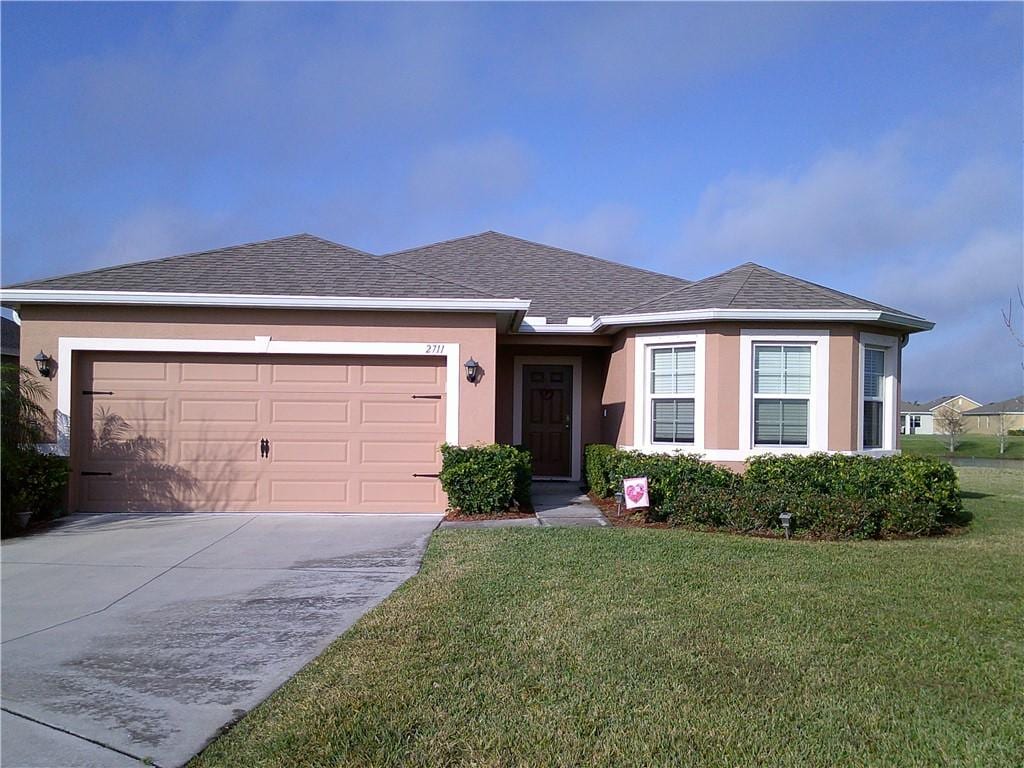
(44, 363)
(472, 369)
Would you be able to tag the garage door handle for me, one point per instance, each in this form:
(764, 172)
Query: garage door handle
(426, 397)
(96, 474)
(95, 392)
(427, 474)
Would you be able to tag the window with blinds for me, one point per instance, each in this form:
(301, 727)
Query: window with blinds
(874, 397)
(782, 388)
(672, 373)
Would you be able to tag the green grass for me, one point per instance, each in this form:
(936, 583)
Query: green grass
(972, 446)
(637, 647)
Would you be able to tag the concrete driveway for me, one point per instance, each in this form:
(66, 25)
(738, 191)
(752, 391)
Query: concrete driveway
(127, 637)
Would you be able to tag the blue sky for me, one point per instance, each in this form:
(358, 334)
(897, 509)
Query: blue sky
(875, 148)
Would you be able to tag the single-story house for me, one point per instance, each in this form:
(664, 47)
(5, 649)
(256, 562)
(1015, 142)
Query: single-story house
(920, 418)
(300, 374)
(986, 419)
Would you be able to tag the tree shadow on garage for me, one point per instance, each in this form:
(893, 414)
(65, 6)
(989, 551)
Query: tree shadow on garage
(146, 482)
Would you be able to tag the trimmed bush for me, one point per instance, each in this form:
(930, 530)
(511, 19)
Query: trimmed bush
(486, 479)
(828, 495)
(32, 482)
(922, 483)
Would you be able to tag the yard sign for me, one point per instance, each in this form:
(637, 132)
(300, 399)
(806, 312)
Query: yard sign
(635, 489)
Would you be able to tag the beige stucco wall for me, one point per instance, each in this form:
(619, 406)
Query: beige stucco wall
(475, 333)
(617, 394)
(989, 424)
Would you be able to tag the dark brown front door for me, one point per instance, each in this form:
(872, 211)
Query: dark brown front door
(547, 418)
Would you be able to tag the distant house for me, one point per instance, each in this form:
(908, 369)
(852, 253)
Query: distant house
(985, 420)
(10, 341)
(919, 418)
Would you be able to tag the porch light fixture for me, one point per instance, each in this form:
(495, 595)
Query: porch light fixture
(472, 368)
(785, 518)
(45, 364)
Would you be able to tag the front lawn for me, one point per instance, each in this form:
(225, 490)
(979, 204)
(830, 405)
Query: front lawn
(636, 647)
(971, 446)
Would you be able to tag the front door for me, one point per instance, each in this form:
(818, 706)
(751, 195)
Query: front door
(547, 418)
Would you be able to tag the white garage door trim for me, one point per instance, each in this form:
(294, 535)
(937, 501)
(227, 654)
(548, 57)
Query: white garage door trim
(261, 345)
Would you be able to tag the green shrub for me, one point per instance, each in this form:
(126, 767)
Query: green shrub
(1015, 432)
(484, 479)
(923, 483)
(667, 475)
(31, 482)
(828, 495)
(597, 460)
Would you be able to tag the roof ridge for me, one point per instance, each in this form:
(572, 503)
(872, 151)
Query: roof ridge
(431, 275)
(160, 259)
(542, 245)
(746, 280)
(682, 288)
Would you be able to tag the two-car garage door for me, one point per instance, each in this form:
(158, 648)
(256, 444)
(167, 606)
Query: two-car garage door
(259, 433)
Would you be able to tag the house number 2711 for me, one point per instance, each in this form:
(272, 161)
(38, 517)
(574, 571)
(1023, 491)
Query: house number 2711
(435, 349)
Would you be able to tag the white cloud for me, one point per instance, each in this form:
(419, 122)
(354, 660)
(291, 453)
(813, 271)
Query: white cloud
(846, 204)
(609, 230)
(156, 232)
(469, 173)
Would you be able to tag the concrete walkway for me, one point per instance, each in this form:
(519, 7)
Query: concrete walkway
(556, 504)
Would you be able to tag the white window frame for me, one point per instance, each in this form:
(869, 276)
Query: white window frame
(643, 437)
(817, 398)
(890, 347)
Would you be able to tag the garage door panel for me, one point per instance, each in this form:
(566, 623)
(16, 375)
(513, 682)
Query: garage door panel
(407, 453)
(397, 493)
(346, 434)
(310, 411)
(374, 412)
(219, 372)
(309, 373)
(305, 451)
(204, 451)
(212, 411)
(408, 373)
(125, 372)
(287, 492)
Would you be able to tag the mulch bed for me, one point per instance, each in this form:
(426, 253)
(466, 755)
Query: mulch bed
(455, 516)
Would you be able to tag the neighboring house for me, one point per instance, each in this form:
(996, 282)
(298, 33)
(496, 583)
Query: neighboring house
(986, 419)
(299, 374)
(10, 336)
(921, 418)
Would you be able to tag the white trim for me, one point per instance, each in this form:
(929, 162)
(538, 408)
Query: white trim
(531, 324)
(890, 352)
(28, 296)
(577, 404)
(732, 454)
(817, 418)
(642, 403)
(258, 345)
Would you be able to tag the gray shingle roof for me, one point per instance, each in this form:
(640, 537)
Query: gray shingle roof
(928, 405)
(299, 265)
(559, 283)
(1013, 405)
(751, 286)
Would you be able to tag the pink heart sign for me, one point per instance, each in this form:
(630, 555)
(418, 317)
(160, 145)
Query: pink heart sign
(636, 492)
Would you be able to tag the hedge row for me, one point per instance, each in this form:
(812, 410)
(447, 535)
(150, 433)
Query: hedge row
(483, 479)
(828, 495)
